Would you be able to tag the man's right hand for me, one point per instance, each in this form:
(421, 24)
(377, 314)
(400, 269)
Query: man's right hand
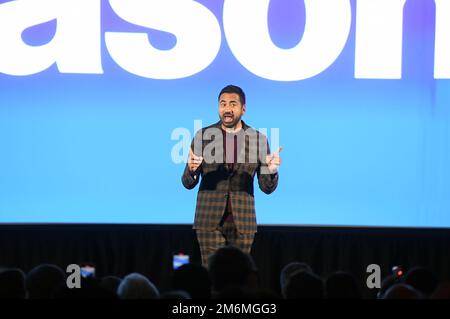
(194, 161)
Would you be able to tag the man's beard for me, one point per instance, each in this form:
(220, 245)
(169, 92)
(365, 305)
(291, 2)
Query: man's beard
(231, 124)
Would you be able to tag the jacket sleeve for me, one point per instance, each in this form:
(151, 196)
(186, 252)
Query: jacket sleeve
(267, 182)
(189, 180)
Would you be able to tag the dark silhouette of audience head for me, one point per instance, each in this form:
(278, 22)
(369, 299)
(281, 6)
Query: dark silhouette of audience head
(422, 279)
(137, 286)
(442, 291)
(402, 291)
(193, 279)
(43, 280)
(304, 285)
(232, 274)
(110, 283)
(229, 268)
(12, 284)
(290, 269)
(176, 295)
(90, 289)
(342, 285)
(387, 283)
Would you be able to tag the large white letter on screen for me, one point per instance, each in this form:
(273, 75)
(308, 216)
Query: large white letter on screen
(79, 36)
(195, 27)
(326, 30)
(75, 47)
(378, 44)
(442, 40)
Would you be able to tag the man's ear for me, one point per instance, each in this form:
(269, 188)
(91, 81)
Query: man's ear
(243, 109)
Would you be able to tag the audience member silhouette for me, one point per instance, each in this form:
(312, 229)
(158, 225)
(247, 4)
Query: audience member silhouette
(442, 291)
(110, 283)
(387, 283)
(43, 280)
(137, 286)
(193, 279)
(342, 285)
(175, 295)
(304, 285)
(90, 289)
(422, 279)
(232, 269)
(12, 284)
(232, 274)
(402, 291)
(290, 269)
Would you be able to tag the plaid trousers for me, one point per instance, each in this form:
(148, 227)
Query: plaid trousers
(225, 234)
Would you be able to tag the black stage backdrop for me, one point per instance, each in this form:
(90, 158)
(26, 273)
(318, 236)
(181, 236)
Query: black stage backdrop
(148, 249)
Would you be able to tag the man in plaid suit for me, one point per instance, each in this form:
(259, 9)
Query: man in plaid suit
(226, 156)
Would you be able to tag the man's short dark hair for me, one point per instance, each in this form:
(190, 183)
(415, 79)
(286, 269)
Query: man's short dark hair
(233, 89)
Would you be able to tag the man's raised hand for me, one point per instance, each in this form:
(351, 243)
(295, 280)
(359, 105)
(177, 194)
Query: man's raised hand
(274, 161)
(194, 161)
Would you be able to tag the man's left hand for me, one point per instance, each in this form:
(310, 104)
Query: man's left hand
(274, 161)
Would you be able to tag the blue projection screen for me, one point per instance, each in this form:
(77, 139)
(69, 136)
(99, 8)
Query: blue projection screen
(99, 101)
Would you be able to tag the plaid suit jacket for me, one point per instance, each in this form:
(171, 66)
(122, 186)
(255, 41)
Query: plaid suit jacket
(218, 181)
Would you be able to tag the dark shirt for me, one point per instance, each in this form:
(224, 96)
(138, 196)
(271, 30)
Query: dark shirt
(230, 151)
